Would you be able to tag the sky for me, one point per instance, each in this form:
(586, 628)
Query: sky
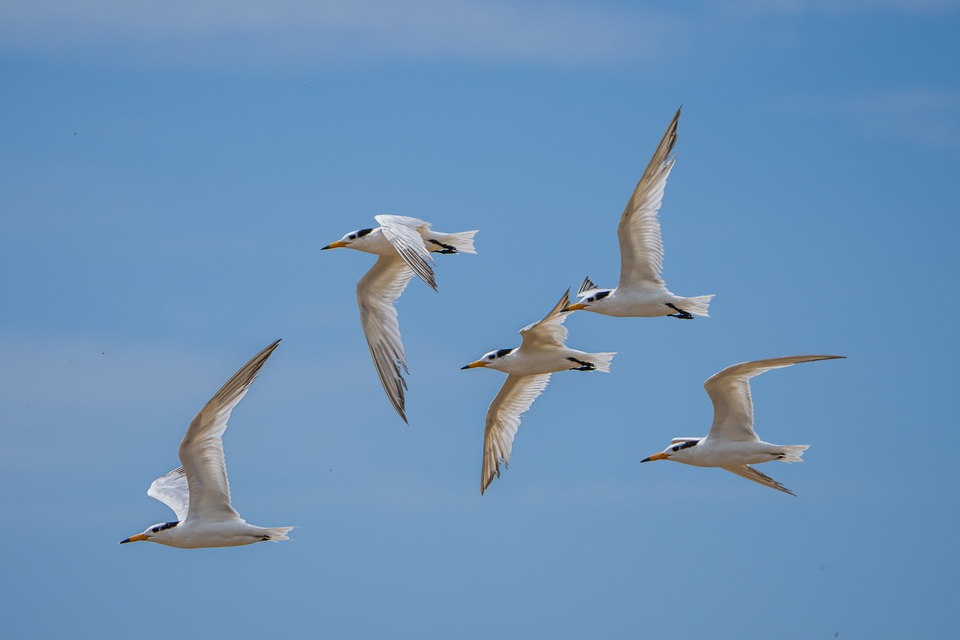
(171, 170)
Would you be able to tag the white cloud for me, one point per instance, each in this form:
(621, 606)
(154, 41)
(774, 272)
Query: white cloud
(311, 31)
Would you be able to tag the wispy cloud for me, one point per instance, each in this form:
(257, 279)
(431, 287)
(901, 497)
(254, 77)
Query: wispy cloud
(311, 31)
(840, 7)
(928, 117)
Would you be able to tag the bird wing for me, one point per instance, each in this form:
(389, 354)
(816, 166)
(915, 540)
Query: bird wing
(748, 472)
(730, 392)
(641, 247)
(403, 233)
(503, 419)
(376, 293)
(201, 451)
(586, 288)
(173, 491)
(550, 331)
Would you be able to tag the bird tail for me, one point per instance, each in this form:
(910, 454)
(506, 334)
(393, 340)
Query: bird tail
(462, 242)
(602, 360)
(697, 306)
(792, 452)
(276, 534)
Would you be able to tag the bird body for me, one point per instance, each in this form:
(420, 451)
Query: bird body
(641, 290)
(542, 352)
(404, 245)
(724, 453)
(638, 300)
(198, 491)
(732, 443)
(519, 362)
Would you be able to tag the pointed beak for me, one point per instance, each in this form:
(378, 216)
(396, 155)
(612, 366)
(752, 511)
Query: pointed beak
(656, 456)
(576, 306)
(334, 245)
(136, 538)
(474, 365)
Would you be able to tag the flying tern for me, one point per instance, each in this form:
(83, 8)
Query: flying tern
(732, 444)
(198, 491)
(404, 245)
(641, 290)
(541, 352)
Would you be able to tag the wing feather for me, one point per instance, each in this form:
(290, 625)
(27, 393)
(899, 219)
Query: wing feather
(201, 451)
(730, 392)
(641, 245)
(748, 472)
(550, 331)
(503, 420)
(377, 292)
(403, 233)
(173, 491)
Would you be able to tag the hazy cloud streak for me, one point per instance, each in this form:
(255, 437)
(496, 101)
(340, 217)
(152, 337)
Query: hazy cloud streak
(299, 31)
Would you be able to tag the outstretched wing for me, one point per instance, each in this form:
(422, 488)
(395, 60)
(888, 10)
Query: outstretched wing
(748, 472)
(503, 419)
(641, 247)
(403, 233)
(376, 293)
(201, 451)
(730, 392)
(173, 491)
(550, 331)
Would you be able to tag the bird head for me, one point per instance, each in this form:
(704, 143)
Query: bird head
(154, 533)
(589, 301)
(678, 450)
(350, 240)
(492, 359)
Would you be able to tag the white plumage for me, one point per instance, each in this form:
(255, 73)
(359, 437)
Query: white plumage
(732, 443)
(641, 290)
(542, 351)
(198, 491)
(404, 245)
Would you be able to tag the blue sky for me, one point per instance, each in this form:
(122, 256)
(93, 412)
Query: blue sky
(171, 171)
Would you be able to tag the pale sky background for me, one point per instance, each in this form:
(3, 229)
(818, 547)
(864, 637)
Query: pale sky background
(171, 170)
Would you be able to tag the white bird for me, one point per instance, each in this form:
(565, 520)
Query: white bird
(404, 245)
(541, 352)
(198, 491)
(732, 444)
(641, 290)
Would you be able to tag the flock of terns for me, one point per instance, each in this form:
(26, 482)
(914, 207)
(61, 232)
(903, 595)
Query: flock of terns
(198, 491)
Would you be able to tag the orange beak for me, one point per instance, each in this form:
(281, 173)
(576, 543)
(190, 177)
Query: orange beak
(656, 456)
(576, 306)
(334, 245)
(474, 365)
(136, 538)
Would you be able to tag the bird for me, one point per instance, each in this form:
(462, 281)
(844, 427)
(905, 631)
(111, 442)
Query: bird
(404, 245)
(528, 367)
(198, 491)
(641, 291)
(732, 444)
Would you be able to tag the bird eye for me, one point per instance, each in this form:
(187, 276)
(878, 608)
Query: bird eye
(155, 529)
(490, 357)
(590, 299)
(677, 448)
(353, 236)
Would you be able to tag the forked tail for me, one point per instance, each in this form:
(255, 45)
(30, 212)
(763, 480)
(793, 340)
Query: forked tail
(793, 452)
(276, 534)
(462, 242)
(697, 306)
(602, 360)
